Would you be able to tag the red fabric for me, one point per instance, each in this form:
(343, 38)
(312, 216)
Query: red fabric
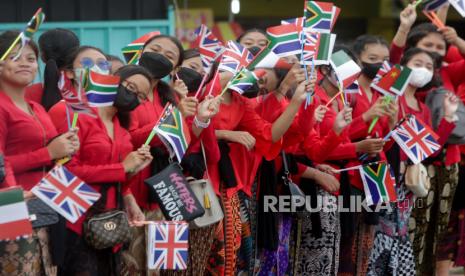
(239, 115)
(453, 54)
(99, 160)
(23, 139)
(34, 92)
(59, 117)
(9, 180)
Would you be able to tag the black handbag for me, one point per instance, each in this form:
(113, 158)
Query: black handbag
(294, 190)
(174, 195)
(108, 228)
(42, 215)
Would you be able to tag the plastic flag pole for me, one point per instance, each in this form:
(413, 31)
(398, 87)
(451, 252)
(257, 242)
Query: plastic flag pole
(11, 47)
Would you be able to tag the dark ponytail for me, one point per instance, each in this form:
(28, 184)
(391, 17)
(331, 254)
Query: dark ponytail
(55, 45)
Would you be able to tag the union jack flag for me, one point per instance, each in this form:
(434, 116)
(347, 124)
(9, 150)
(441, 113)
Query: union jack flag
(235, 58)
(168, 244)
(386, 67)
(73, 99)
(210, 47)
(416, 139)
(65, 193)
(310, 47)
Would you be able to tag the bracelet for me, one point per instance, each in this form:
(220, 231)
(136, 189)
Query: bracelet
(200, 124)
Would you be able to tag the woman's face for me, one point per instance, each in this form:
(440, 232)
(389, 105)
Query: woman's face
(165, 47)
(374, 53)
(421, 60)
(269, 81)
(194, 63)
(433, 43)
(254, 39)
(138, 84)
(91, 59)
(22, 71)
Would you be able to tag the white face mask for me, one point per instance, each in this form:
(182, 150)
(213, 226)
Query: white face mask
(420, 77)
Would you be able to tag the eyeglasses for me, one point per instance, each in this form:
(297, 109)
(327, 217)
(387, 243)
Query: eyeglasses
(101, 63)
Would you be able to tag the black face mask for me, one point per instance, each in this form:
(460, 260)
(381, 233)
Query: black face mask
(254, 50)
(125, 100)
(190, 77)
(157, 64)
(370, 69)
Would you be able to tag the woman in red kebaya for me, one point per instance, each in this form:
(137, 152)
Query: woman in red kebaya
(106, 161)
(393, 252)
(30, 143)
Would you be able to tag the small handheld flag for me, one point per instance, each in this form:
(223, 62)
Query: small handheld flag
(235, 58)
(244, 80)
(284, 40)
(378, 183)
(73, 99)
(393, 82)
(133, 50)
(210, 47)
(65, 193)
(174, 133)
(346, 69)
(416, 139)
(14, 216)
(100, 89)
(167, 245)
(26, 35)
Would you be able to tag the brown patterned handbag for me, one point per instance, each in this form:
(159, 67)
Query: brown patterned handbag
(107, 229)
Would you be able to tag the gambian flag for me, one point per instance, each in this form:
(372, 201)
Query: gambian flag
(346, 69)
(325, 48)
(100, 89)
(378, 183)
(284, 40)
(245, 79)
(319, 16)
(174, 132)
(268, 59)
(133, 50)
(14, 216)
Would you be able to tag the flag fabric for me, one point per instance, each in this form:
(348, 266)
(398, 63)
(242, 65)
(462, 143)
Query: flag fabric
(386, 67)
(133, 50)
(416, 139)
(335, 15)
(210, 47)
(284, 40)
(174, 133)
(100, 89)
(244, 80)
(235, 58)
(325, 48)
(168, 244)
(268, 59)
(65, 193)
(459, 6)
(432, 5)
(393, 82)
(74, 99)
(353, 88)
(31, 28)
(319, 16)
(310, 47)
(346, 69)
(14, 216)
(378, 183)
(298, 22)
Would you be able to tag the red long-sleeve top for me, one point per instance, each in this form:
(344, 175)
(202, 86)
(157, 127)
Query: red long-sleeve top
(23, 139)
(34, 92)
(99, 159)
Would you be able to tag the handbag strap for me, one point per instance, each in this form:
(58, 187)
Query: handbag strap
(286, 167)
(204, 159)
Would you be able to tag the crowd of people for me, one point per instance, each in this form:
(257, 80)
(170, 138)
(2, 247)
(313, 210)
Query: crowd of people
(245, 145)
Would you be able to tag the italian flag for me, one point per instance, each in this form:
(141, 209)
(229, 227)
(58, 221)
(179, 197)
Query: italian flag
(268, 59)
(346, 69)
(14, 217)
(325, 48)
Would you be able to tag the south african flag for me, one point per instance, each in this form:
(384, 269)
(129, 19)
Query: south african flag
(133, 50)
(100, 89)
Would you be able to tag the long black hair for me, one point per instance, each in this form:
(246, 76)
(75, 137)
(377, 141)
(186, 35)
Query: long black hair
(55, 45)
(165, 92)
(419, 32)
(124, 73)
